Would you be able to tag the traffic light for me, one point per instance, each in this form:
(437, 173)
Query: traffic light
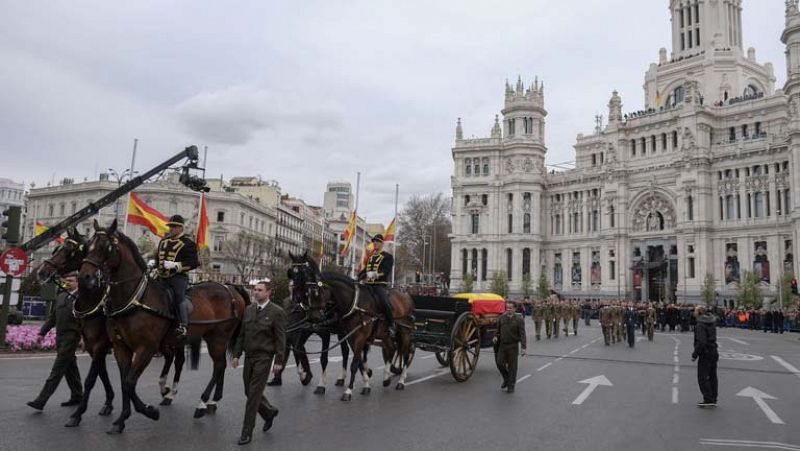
(794, 286)
(10, 224)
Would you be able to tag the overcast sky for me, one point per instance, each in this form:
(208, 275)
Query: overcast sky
(304, 92)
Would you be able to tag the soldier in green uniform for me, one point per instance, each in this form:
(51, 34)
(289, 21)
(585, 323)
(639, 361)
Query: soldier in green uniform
(576, 313)
(68, 337)
(263, 338)
(650, 321)
(605, 323)
(377, 273)
(175, 257)
(510, 335)
(617, 323)
(548, 317)
(538, 316)
(566, 316)
(556, 318)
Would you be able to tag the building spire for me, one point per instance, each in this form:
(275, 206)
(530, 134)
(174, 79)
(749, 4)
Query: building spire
(496, 132)
(459, 130)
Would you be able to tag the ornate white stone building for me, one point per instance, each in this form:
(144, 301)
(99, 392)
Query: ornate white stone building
(702, 180)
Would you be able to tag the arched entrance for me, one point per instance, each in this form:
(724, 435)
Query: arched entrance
(654, 259)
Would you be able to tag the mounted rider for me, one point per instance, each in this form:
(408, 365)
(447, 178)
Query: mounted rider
(175, 257)
(376, 274)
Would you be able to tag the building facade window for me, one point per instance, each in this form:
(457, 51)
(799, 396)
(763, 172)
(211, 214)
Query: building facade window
(484, 263)
(526, 223)
(476, 219)
(509, 263)
(526, 262)
(220, 216)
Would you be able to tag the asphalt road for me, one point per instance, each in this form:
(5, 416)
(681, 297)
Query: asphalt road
(648, 402)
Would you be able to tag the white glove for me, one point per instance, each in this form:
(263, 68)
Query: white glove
(171, 265)
(151, 264)
(372, 274)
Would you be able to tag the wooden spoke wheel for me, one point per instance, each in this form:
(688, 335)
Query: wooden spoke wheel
(443, 357)
(465, 346)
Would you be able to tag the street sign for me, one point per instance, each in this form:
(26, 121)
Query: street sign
(13, 261)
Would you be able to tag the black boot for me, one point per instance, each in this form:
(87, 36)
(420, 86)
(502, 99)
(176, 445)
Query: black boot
(183, 320)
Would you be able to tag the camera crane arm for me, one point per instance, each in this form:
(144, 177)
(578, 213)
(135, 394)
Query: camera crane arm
(192, 182)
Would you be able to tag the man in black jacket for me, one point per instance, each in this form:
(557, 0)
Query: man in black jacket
(175, 257)
(705, 349)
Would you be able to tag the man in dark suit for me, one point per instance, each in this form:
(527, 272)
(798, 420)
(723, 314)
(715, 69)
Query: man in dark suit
(705, 349)
(68, 337)
(510, 335)
(263, 338)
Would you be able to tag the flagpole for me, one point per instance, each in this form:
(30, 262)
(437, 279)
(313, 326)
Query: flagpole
(128, 203)
(394, 242)
(355, 229)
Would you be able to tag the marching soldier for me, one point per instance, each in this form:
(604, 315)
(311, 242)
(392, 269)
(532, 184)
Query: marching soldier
(538, 316)
(263, 338)
(618, 322)
(556, 318)
(605, 323)
(510, 335)
(566, 316)
(175, 257)
(68, 337)
(630, 319)
(376, 274)
(649, 321)
(576, 313)
(550, 313)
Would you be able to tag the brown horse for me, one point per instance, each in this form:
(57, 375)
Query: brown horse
(139, 317)
(354, 307)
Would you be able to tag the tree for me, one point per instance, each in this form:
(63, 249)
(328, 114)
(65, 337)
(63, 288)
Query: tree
(527, 286)
(707, 292)
(251, 255)
(543, 289)
(424, 226)
(750, 290)
(785, 299)
(467, 283)
(499, 283)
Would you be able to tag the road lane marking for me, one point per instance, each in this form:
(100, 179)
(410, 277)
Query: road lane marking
(792, 369)
(428, 357)
(423, 379)
(675, 371)
(674, 395)
(593, 384)
(523, 378)
(675, 358)
(759, 397)
(741, 342)
(675, 378)
(544, 366)
(748, 444)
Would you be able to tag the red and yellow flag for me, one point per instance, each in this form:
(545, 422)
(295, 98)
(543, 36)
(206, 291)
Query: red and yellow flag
(40, 228)
(369, 249)
(349, 233)
(388, 235)
(145, 215)
(202, 225)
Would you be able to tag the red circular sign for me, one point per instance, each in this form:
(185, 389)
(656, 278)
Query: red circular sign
(13, 261)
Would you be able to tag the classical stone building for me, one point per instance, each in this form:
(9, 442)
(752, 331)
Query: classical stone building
(702, 180)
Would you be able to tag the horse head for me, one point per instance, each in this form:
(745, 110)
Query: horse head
(103, 256)
(304, 276)
(65, 258)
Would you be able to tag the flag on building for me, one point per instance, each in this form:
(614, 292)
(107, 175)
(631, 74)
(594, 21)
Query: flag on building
(388, 235)
(349, 233)
(40, 228)
(145, 215)
(202, 225)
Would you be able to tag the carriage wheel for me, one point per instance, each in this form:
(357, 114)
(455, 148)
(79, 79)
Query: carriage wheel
(465, 346)
(397, 360)
(442, 357)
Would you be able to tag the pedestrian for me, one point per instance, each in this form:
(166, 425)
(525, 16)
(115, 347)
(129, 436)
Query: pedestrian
(263, 339)
(705, 352)
(68, 337)
(649, 321)
(510, 335)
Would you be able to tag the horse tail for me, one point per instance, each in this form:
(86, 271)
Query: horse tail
(194, 355)
(246, 298)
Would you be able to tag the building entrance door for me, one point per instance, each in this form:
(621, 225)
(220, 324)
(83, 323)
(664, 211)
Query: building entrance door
(655, 270)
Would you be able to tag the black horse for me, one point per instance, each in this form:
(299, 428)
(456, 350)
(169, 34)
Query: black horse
(351, 308)
(300, 329)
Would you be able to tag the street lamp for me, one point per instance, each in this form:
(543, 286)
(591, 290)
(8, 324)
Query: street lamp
(780, 264)
(424, 254)
(119, 177)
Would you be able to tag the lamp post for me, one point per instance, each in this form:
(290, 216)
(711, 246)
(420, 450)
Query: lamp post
(119, 177)
(780, 264)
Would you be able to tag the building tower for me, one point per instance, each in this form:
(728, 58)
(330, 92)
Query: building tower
(699, 26)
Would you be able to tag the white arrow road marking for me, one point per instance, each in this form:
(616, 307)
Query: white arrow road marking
(792, 369)
(748, 444)
(593, 383)
(759, 397)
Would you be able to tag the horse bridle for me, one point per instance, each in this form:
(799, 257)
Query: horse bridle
(78, 247)
(311, 288)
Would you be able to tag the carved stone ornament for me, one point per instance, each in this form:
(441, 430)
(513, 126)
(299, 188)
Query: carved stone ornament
(509, 165)
(527, 165)
(654, 213)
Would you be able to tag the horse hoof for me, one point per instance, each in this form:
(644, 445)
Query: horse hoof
(199, 413)
(339, 382)
(369, 372)
(164, 392)
(400, 386)
(73, 422)
(166, 402)
(211, 408)
(387, 382)
(116, 429)
(395, 370)
(366, 390)
(347, 397)
(307, 380)
(106, 410)
(151, 412)
(319, 390)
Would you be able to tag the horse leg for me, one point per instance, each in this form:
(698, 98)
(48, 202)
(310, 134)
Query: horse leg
(169, 356)
(366, 373)
(345, 357)
(88, 384)
(123, 356)
(180, 360)
(388, 360)
(103, 373)
(323, 360)
(405, 351)
(355, 366)
(141, 359)
(203, 406)
(304, 366)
